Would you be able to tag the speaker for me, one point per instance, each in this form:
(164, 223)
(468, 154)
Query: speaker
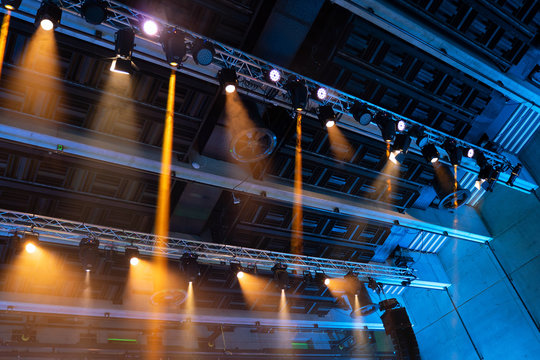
(397, 324)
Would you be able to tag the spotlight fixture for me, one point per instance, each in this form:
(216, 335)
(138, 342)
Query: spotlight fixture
(357, 293)
(174, 45)
(326, 115)
(430, 153)
(123, 46)
(321, 280)
(11, 4)
(132, 253)
(386, 125)
(469, 153)
(481, 160)
(450, 193)
(281, 276)
(94, 11)
(322, 93)
(238, 270)
(298, 93)
(203, 52)
(418, 132)
(189, 266)
(274, 75)
(516, 170)
(454, 152)
(228, 79)
(89, 253)
(401, 145)
(30, 247)
(491, 180)
(48, 16)
(401, 125)
(361, 113)
(150, 27)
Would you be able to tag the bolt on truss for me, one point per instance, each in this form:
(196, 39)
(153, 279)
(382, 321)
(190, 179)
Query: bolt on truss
(67, 232)
(251, 70)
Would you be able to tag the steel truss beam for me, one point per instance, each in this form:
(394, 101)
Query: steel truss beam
(71, 232)
(250, 69)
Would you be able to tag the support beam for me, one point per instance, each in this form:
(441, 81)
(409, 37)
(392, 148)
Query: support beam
(110, 149)
(388, 17)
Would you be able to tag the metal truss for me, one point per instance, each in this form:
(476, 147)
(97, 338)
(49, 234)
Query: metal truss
(252, 72)
(70, 233)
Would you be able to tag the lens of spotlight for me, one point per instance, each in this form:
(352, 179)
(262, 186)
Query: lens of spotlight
(134, 261)
(322, 93)
(330, 123)
(470, 153)
(230, 88)
(228, 79)
(150, 27)
(30, 248)
(274, 75)
(430, 152)
(401, 125)
(11, 4)
(326, 281)
(240, 274)
(46, 24)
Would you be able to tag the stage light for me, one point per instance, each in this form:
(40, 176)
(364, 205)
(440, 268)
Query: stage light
(454, 152)
(150, 27)
(322, 93)
(274, 75)
(516, 170)
(228, 79)
(361, 113)
(174, 45)
(281, 276)
(190, 266)
(469, 153)
(123, 46)
(430, 153)
(132, 253)
(240, 274)
(321, 280)
(450, 193)
(30, 247)
(11, 4)
(89, 253)
(326, 115)
(357, 294)
(490, 175)
(386, 125)
(401, 125)
(327, 281)
(48, 16)
(203, 52)
(481, 160)
(400, 148)
(298, 93)
(94, 11)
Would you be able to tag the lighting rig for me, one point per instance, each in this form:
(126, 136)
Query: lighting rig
(262, 78)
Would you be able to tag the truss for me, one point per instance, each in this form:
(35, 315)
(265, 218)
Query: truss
(70, 233)
(251, 70)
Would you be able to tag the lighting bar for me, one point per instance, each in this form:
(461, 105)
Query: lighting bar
(252, 71)
(67, 232)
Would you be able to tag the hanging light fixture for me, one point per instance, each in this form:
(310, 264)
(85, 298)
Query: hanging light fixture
(48, 16)
(281, 276)
(386, 125)
(228, 79)
(430, 153)
(123, 46)
(174, 45)
(361, 113)
(203, 52)
(298, 93)
(89, 253)
(326, 115)
(94, 11)
(11, 4)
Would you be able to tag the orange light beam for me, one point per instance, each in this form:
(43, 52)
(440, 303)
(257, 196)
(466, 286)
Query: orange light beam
(3, 38)
(296, 240)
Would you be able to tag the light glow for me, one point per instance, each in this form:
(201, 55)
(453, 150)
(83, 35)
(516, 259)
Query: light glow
(470, 153)
(9, 7)
(30, 248)
(434, 160)
(326, 281)
(150, 27)
(46, 24)
(240, 274)
(173, 63)
(274, 75)
(230, 88)
(114, 69)
(134, 261)
(330, 123)
(322, 93)
(401, 125)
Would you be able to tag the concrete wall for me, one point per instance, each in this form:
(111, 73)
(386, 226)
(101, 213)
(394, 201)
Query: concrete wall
(497, 322)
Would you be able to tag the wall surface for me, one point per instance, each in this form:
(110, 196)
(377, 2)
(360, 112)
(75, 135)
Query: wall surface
(499, 325)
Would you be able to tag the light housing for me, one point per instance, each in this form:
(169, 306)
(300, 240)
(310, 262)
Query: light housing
(228, 79)
(11, 4)
(89, 253)
(357, 289)
(190, 266)
(203, 52)
(326, 115)
(516, 170)
(454, 152)
(124, 40)
(132, 254)
(430, 153)
(274, 75)
(281, 276)
(298, 93)
(94, 11)
(174, 45)
(48, 16)
(121, 66)
(361, 113)
(386, 125)
(450, 193)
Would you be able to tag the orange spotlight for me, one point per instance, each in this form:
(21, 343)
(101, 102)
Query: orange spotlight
(327, 281)
(134, 261)
(3, 36)
(296, 239)
(30, 247)
(240, 274)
